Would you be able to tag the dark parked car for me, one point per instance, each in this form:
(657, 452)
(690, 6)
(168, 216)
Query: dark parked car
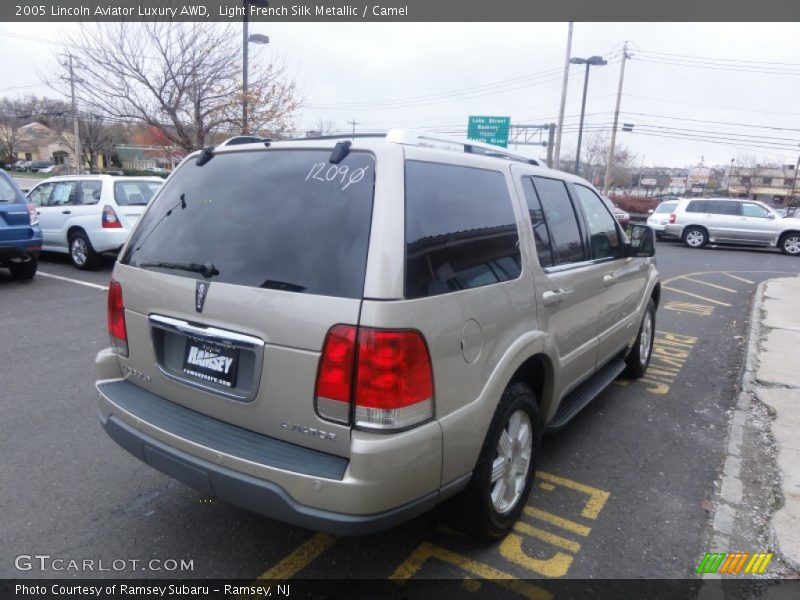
(20, 236)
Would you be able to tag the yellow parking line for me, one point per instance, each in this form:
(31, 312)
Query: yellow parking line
(546, 536)
(597, 498)
(737, 277)
(558, 521)
(300, 558)
(714, 285)
(696, 296)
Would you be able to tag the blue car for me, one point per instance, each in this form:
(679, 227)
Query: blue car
(20, 236)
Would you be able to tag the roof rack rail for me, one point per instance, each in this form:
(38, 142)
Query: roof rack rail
(405, 136)
(337, 136)
(245, 139)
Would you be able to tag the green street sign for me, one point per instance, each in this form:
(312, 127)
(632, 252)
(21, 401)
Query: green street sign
(491, 130)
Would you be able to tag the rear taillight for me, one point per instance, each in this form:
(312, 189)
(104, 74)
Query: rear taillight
(672, 218)
(116, 319)
(33, 215)
(110, 219)
(335, 377)
(392, 387)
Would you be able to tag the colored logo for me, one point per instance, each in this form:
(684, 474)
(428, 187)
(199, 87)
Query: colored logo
(734, 562)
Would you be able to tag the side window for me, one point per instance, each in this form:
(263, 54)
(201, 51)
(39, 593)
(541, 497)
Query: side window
(723, 207)
(697, 206)
(461, 231)
(64, 192)
(603, 235)
(41, 195)
(90, 192)
(540, 233)
(562, 222)
(754, 210)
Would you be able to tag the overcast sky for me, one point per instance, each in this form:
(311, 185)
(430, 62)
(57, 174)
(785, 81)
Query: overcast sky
(738, 81)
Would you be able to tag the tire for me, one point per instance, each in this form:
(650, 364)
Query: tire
(695, 237)
(790, 244)
(23, 270)
(490, 508)
(81, 253)
(638, 358)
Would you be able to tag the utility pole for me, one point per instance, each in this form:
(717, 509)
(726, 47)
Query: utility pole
(794, 182)
(610, 162)
(557, 156)
(550, 136)
(76, 130)
(353, 123)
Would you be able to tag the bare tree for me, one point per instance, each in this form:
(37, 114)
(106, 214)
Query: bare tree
(181, 78)
(596, 159)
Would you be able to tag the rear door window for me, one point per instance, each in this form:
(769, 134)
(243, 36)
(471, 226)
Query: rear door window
(90, 192)
(277, 219)
(64, 192)
(541, 235)
(461, 231)
(562, 221)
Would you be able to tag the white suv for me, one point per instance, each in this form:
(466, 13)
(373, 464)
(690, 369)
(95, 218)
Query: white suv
(86, 215)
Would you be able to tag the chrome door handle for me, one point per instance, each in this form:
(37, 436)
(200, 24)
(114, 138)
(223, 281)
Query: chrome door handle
(66, 212)
(551, 297)
(609, 279)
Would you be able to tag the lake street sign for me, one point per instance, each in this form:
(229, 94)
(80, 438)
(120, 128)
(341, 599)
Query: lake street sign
(491, 130)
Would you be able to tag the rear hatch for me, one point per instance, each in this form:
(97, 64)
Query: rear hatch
(15, 221)
(235, 275)
(132, 196)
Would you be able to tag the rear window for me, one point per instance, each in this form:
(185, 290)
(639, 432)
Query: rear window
(134, 193)
(665, 207)
(461, 231)
(8, 193)
(278, 219)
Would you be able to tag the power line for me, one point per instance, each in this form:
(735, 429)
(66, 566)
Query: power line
(708, 58)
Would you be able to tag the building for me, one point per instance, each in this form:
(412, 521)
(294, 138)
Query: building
(38, 142)
(775, 185)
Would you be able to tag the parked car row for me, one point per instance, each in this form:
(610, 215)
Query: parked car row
(83, 216)
(42, 166)
(700, 221)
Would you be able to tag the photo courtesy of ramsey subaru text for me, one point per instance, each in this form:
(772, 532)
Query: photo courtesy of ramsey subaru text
(341, 333)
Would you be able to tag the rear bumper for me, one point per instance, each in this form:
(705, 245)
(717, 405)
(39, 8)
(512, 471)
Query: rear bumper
(263, 497)
(386, 480)
(29, 249)
(108, 240)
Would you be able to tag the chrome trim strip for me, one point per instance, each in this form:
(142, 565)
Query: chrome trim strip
(214, 334)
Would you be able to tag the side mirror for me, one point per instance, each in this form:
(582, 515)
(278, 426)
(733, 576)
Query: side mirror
(642, 241)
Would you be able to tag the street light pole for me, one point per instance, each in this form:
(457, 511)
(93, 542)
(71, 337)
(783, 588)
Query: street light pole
(591, 61)
(246, 39)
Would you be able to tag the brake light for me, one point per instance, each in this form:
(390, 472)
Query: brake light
(335, 377)
(393, 378)
(672, 218)
(110, 219)
(116, 319)
(33, 215)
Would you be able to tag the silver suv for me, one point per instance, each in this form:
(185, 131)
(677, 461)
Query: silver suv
(701, 221)
(343, 334)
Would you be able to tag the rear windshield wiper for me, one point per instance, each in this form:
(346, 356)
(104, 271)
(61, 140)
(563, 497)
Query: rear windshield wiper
(282, 285)
(206, 269)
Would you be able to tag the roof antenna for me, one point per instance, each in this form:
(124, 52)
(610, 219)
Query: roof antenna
(340, 152)
(206, 154)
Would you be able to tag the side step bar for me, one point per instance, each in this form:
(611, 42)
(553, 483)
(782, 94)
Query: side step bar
(577, 399)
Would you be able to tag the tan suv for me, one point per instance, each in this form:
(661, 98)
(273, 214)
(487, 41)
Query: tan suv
(341, 335)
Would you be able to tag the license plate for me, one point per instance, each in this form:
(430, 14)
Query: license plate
(211, 362)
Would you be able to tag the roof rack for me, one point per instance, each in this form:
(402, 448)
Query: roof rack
(413, 138)
(405, 136)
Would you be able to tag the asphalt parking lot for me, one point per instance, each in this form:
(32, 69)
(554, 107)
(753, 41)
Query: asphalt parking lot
(621, 492)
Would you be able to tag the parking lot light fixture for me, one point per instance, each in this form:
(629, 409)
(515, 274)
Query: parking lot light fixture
(592, 61)
(256, 38)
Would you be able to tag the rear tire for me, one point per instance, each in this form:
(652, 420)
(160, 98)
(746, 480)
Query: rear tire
(638, 359)
(81, 253)
(501, 482)
(23, 270)
(790, 244)
(695, 237)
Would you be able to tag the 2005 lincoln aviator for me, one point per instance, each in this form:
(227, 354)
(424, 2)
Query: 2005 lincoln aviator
(342, 333)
